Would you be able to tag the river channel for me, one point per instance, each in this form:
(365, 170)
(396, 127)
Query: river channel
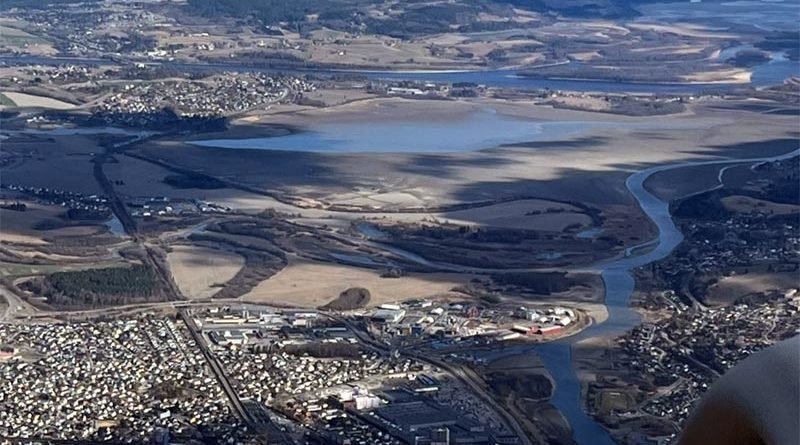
(617, 275)
(619, 284)
(770, 72)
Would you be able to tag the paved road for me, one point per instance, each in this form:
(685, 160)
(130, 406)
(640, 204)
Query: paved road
(217, 369)
(475, 383)
(120, 210)
(469, 379)
(15, 306)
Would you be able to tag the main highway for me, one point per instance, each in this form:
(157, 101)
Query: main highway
(216, 368)
(464, 376)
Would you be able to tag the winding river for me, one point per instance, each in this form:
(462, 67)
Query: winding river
(770, 72)
(617, 275)
(619, 285)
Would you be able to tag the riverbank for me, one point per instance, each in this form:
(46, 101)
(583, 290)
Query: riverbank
(503, 78)
(394, 181)
(619, 286)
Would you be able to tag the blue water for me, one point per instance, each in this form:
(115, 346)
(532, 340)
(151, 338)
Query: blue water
(510, 79)
(479, 130)
(769, 15)
(774, 72)
(115, 226)
(619, 284)
(770, 73)
(594, 232)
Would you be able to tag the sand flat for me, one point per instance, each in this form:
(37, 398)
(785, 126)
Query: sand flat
(533, 214)
(30, 100)
(197, 270)
(292, 285)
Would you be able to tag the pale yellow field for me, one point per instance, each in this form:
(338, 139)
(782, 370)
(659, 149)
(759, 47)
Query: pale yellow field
(197, 270)
(586, 56)
(292, 285)
(18, 227)
(13, 36)
(684, 30)
(50, 256)
(673, 49)
(732, 75)
(29, 100)
(20, 238)
(586, 103)
(513, 215)
(728, 289)
(746, 204)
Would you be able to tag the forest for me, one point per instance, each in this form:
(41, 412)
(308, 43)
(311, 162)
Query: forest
(543, 283)
(407, 18)
(97, 287)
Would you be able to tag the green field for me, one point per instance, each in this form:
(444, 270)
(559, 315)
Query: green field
(23, 270)
(609, 401)
(6, 102)
(17, 37)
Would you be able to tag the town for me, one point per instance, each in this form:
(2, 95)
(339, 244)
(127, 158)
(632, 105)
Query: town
(677, 359)
(129, 380)
(218, 95)
(239, 373)
(699, 321)
(81, 207)
(339, 222)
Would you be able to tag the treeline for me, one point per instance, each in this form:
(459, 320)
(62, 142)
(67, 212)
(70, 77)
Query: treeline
(193, 181)
(97, 287)
(703, 207)
(54, 224)
(246, 229)
(782, 41)
(414, 18)
(708, 206)
(325, 350)
(15, 206)
(353, 298)
(267, 11)
(258, 266)
(466, 253)
(477, 234)
(76, 214)
(528, 386)
(428, 19)
(165, 119)
(36, 4)
(263, 258)
(343, 15)
(543, 283)
(629, 106)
